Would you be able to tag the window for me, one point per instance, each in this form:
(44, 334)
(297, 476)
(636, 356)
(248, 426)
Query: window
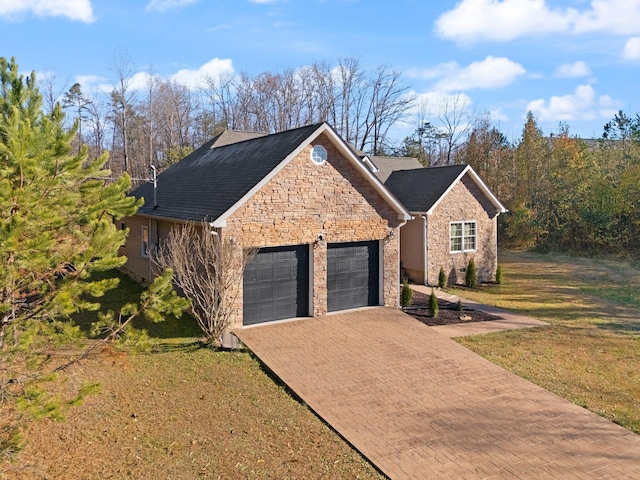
(318, 154)
(145, 242)
(462, 236)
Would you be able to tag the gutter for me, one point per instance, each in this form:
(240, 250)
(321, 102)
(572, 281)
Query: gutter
(425, 248)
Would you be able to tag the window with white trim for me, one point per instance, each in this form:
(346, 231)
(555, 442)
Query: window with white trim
(318, 154)
(462, 236)
(145, 242)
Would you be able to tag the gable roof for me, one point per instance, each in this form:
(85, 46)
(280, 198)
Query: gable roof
(385, 166)
(214, 181)
(421, 190)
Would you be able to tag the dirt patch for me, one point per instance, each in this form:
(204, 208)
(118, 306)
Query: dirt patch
(448, 313)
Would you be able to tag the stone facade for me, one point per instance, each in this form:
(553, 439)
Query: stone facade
(464, 202)
(302, 201)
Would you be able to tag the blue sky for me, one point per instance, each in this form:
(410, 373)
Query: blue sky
(572, 61)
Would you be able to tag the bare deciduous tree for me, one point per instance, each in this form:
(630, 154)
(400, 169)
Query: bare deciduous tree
(208, 270)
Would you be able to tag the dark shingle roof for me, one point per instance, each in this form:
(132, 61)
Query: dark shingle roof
(209, 181)
(419, 189)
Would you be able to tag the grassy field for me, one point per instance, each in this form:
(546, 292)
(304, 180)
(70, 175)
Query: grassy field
(181, 411)
(177, 412)
(590, 353)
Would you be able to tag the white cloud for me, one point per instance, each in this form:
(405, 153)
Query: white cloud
(504, 20)
(79, 10)
(164, 5)
(583, 104)
(495, 20)
(492, 72)
(573, 70)
(432, 104)
(197, 78)
(632, 49)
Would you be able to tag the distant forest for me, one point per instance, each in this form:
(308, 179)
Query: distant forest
(563, 193)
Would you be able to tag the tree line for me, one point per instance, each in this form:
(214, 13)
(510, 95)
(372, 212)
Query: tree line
(563, 193)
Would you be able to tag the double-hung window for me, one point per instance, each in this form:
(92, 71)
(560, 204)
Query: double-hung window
(462, 236)
(145, 242)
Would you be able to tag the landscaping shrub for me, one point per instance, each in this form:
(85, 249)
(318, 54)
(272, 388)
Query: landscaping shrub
(459, 306)
(471, 277)
(406, 294)
(442, 278)
(433, 304)
(499, 278)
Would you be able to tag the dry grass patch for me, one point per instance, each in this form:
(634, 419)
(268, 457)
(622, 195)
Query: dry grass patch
(184, 413)
(589, 353)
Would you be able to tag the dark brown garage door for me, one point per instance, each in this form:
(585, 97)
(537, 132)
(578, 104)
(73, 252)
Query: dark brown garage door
(353, 275)
(276, 284)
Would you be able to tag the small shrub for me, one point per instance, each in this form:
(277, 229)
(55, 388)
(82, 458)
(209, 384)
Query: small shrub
(433, 305)
(459, 306)
(406, 294)
(442, 278)
(499, 278)
(471, 277)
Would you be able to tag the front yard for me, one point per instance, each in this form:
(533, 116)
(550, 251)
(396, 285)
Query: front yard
(590, 354)
(185, 412)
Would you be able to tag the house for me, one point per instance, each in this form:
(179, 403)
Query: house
(327, 229)
(454, 220)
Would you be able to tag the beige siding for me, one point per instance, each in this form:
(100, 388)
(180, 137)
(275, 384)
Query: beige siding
(137, 265)
(412, 249)
(300, 202)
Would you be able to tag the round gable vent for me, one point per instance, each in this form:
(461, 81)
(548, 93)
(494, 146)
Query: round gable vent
(318, 154)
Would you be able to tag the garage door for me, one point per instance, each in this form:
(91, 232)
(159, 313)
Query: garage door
(352, 275)
(276, 284)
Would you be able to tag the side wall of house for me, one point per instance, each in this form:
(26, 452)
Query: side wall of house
(412, 249)
(464, 202)
(138, 266)
(304, 200)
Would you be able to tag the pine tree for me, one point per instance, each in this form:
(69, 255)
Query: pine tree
(471, 276)
(57, 215)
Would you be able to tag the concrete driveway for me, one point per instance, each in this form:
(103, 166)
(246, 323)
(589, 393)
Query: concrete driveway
(418, 405)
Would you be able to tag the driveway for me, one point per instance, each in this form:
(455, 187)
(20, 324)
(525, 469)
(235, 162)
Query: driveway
(418, 405)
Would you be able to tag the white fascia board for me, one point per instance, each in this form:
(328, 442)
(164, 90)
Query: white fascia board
(221, 221)
(478, 181)
(369, 162)
(403, 214)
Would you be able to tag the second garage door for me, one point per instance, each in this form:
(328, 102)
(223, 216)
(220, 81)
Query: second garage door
(276, 284)
(353, 275)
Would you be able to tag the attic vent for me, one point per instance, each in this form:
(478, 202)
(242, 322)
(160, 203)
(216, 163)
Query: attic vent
(318, 154)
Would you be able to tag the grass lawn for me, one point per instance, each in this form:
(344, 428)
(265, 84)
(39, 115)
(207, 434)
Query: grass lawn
(178, 412)
(590, 353)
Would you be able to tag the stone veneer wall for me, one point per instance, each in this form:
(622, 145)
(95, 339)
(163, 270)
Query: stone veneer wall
(304, 200)
(464, 202)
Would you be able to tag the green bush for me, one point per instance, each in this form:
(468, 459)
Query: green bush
(406, 294)
(433, 304)
(459, 306)
(442, 278)
(499, 277)
(471, 277)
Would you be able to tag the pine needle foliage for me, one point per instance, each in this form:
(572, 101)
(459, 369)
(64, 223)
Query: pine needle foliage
(499, 275)
(406, 294)
(442, 278)
(471, 275)
(433, 305)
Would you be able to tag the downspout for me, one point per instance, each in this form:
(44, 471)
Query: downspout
(149, 243)
(425, 249)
